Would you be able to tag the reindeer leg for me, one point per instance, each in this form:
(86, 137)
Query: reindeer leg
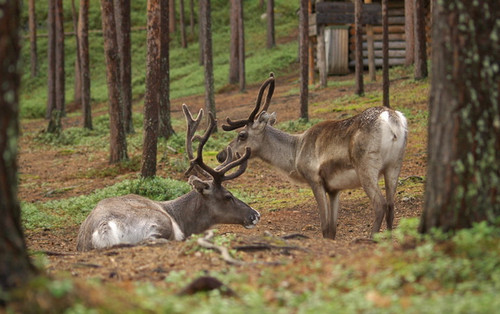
(327, 226)
(334, 210)
(370, 185)
(391, 181)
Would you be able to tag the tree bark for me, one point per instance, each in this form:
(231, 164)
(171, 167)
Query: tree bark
(15, 266)
(181, 24)
(122, 17)
(191, 16)
(78, 75)
(33, 47)
(271, 42)
(51, 54)
(233, 43)
(463, 171)
(171, 16)
(409, 32)
(385, 53)
(200, 33)
(83, 35)
(153, 80)
(358, 10)
(60, 73)
(241, 46)
(165, 123)
(206, 26)
(304, 58)
(321, 54)
(420, 41)
(371, 50)
(118, 144)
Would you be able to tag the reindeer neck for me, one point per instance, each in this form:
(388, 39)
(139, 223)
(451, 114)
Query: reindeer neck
(186, 210)
(279, 149)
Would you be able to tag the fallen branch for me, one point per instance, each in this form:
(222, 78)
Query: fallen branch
(205, 242)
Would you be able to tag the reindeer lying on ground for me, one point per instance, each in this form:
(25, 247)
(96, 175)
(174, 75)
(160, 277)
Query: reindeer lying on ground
(132, 218)
(330, 156)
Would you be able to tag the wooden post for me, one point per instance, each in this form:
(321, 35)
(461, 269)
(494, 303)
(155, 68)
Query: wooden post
(371, 52)
(359, 47)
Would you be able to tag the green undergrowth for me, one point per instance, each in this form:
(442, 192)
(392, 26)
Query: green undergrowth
(437, 273)
(74, 210)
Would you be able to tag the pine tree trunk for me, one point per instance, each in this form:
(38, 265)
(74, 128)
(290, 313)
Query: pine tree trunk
(463, 171)
(78, 75)
(385, 53)
(206, 26)
(171, 16)
(270, 24)
(122, 16)
(409, 33)
(233, 45)
(358, 10)
(181, 24)
(304, 58)
(241, 46)
(15, 266)
(118, 144)
(165, 124)
(51, 55)
(153, 80)
(33, 46)
(60, 72)
(83, 35)
(420, 40)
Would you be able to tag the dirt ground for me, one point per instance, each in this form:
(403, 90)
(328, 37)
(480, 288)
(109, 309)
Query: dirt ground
(282, 237)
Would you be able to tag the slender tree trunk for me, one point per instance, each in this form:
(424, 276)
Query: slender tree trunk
(304, 57)
(15, 266)
(78, 75)
(181, 24)
(200, 33)
(33, 47)
(83, 35)
(208, 57)
(409, 32)
(385, 52)
(191, 16)
(420, 40)
(165, 124)
(233, 44)
(271, 42)
(60, 73)
(171, 16)
(153, 82)
(241, 46)
(358, 10)
(118, 145)
(122, 17)
(463, 171)
(51, 54)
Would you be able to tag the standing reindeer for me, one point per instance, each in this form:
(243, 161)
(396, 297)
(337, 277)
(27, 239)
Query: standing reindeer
(133, 218)
(330, 156)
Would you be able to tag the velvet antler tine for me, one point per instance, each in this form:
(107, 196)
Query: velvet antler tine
(242, 162)
(270, 92)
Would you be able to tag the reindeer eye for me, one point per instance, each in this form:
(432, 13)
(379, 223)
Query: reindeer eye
(242, 136)
(228, 197)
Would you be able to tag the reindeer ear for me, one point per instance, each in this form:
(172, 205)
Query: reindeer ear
(199, 185)
(265, 119)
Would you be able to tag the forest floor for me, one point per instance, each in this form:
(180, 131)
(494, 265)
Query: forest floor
(286, 236)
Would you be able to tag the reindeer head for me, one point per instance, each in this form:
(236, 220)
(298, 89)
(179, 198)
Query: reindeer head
(252, 134)
(223, 207)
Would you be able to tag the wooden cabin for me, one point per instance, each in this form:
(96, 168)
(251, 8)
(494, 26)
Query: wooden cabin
(338, 19)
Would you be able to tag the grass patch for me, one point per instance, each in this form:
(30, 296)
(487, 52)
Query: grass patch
(74, 210)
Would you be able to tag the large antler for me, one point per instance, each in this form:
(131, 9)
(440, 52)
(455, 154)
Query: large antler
(218, 174)
(231, 125)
